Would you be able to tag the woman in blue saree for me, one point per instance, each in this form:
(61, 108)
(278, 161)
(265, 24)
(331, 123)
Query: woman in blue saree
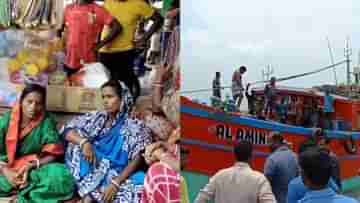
(104, 149)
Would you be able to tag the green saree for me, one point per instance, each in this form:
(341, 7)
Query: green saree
(51, 182)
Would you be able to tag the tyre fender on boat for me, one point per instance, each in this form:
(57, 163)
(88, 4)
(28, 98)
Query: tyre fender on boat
(350, 145)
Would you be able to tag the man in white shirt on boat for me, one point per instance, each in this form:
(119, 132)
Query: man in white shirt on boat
(238, 183)
(237, 87)
(270, 97)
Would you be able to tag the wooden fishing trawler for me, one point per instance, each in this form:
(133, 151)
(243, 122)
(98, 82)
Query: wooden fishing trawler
(209, 133)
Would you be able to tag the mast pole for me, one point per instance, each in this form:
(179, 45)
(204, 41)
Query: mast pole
(348, 53)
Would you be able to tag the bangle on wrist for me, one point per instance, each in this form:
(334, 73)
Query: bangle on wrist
(34, 164)
(82, 142)
(117, 185)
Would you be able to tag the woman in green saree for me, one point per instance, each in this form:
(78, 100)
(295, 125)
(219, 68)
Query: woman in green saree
(29, 144)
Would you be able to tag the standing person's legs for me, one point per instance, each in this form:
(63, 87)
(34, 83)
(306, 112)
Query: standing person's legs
(70, 71)
(236, 99)
(121, 66)
(271, 108)
(267, 107)
(315, 120)
(328, 120)
(108, 60)
(129, 77)
(240, 98)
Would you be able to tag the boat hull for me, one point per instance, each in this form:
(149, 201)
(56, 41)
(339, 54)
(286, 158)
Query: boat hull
(209, 134)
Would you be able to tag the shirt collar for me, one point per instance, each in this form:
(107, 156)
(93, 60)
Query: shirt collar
(282, 148)
(242, 165)
(327, 192)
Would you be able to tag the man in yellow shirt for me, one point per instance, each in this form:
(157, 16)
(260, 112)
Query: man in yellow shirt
(119, 55)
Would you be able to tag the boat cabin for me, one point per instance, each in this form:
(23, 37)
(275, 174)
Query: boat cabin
(346, 114)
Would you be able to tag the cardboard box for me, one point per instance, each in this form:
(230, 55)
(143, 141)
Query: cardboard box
(80, 99)
(59, 98)
(73, 99)
(56, 98)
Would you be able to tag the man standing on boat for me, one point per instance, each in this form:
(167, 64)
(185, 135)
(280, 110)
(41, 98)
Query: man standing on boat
(280, 167)
(216, 89)
(251, 99)
(270, 97)
(238, 183)
(328, 109)
(217, 85)
(237, 86)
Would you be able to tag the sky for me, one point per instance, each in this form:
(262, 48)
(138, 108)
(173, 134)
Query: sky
(291, 36)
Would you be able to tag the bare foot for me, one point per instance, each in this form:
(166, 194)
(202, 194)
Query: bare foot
(13, 199)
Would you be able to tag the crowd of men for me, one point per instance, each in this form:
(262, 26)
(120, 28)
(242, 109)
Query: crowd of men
(310, 177)
(270, 104)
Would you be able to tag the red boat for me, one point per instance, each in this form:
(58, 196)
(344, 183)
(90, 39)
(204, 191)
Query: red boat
(209, 133)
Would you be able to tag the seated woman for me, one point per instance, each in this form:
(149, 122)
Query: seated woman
(163, 179)
(104, 149)
(163, 157)
(29, 143)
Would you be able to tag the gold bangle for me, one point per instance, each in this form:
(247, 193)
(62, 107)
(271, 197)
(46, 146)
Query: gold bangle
(82, 142)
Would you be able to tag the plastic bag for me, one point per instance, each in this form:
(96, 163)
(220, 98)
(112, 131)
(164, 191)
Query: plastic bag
(95, 75)
(91, 75)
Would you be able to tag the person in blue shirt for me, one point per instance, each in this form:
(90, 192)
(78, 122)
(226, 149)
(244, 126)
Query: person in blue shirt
(328, 109)
(297, 188)
(280, 167)
(315, 114)
(324, 143)
(315, 167)
(282, 110)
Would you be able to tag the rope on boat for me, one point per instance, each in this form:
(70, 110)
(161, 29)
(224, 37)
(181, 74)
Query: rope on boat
(266, 81)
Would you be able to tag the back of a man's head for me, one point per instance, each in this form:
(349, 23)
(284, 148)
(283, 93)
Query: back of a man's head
(307, 146)
(243, 151)
(316, 167)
